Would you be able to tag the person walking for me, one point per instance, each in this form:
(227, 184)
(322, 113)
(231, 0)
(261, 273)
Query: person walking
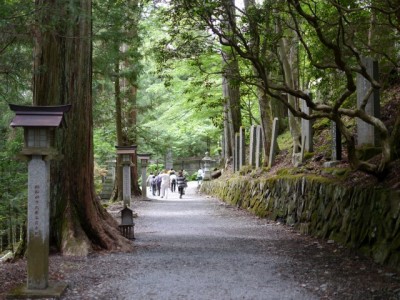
(172, 176)
(149, 180)
(158, 183)
(200, 175)
(153, 184)
(165, 183)
(182, 183)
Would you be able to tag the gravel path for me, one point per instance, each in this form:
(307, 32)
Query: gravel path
(200, 248)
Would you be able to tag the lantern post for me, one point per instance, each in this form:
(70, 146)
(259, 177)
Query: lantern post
(126, 153)
(39, 124)
(207, 163)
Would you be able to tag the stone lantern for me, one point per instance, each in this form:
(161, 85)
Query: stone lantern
(125, 153)
(207, 160)
(144, 159)
(39, 123)
(127, 225)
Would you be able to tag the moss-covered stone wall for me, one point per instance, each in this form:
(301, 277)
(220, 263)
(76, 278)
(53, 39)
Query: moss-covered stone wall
(360, 218)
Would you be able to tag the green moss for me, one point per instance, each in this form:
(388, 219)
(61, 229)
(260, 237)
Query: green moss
(322, 123)
(285, 141)
(308, 155)
(341, 172)
(285, 172)
(366, 219)
(245, 170)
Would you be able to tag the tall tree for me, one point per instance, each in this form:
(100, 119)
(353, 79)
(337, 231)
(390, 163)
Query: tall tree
(117, 24)
(290, 71)
(63, 74)
(231, 94)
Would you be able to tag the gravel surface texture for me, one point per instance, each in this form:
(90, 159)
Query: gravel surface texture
(200, 248)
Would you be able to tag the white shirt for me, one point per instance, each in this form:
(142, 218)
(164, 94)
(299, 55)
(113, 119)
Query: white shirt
(165, 180)
(172, 177)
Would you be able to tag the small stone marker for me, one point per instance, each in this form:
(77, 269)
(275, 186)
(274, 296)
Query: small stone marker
(336, 146)
(366, 133)
(274, 143)
(306, 128)
(237, 152)
(253, 144)
(144, 158)
(303, 147)
(109, 180)
(336, 142)
(259, 146)
(242, 147)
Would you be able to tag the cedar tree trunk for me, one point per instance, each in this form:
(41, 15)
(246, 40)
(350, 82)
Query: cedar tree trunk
(63, 75)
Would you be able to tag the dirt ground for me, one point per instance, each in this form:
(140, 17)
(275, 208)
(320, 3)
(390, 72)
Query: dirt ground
(200, 248)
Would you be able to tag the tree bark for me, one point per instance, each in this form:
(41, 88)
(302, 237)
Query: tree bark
(231, 88)
(117, 192)
(288, 73)
(264, 102)
(63, 75)
(232, 113)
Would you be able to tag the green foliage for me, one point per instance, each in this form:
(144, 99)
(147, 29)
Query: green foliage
(16, 20)
(155, 168)
(192, 177)
(285, 141)
(104, 140)
(13, 184)
(180, 105)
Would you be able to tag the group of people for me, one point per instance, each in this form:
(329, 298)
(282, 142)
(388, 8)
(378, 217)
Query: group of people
(166, 180)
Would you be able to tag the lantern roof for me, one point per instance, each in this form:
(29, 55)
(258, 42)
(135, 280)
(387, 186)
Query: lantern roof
(144, 156)
(126, 149)
(39, 116)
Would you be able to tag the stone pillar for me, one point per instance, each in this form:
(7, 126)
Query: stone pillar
(144, 158)
(126, 153)
(306, 128)
(336, 142)
(253, 134)
(207, 172)
(108, 184)
(144, 183)
(259, 146)
(366, 133)
(38, 223)
(242, 147)
(274, 144)
(126, 182)
(237, 152)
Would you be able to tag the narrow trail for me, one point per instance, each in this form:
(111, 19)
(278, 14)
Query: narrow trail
(200, 248)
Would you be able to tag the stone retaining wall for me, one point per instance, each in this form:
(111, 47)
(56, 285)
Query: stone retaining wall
(364, 219)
